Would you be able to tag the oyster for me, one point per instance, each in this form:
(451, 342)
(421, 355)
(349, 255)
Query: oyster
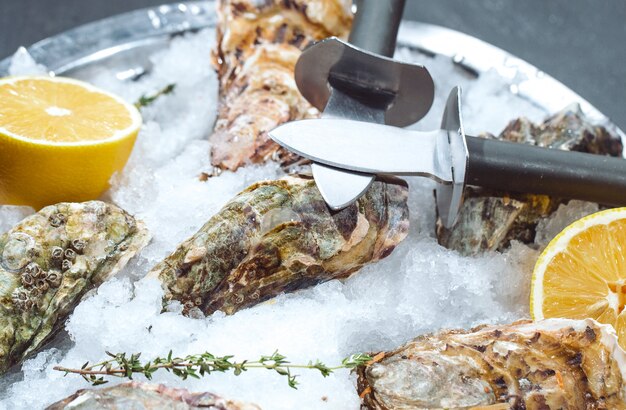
(134, 395)
(551, 364)
(259, 43)
(489, 220)
(279, 236)
(49, 260)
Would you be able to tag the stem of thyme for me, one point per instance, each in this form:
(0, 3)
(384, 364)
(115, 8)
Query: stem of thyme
(147, 99)
(199, 365)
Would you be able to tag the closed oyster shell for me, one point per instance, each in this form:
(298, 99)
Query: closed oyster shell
(259, 43)
(135, 395)
(490, 220)
(550, 364)
(280, 236)
(49, 260)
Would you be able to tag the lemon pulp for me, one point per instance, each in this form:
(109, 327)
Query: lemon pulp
(582, 272)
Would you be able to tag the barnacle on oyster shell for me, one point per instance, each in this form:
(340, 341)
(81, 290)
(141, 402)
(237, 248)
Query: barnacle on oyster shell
(238, 258)
(551, 364)
(54, 278)
(35, 295)
(69, 254)
(57, 219)
(27, 279)
(78, 245)
(66, 265)
(135, 395)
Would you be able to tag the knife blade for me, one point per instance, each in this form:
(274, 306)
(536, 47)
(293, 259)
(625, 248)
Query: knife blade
(337, 187)
(349, 81)
(377, 149)
(368, 148)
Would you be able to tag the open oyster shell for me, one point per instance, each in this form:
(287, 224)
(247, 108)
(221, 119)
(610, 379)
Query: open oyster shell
(550, 364)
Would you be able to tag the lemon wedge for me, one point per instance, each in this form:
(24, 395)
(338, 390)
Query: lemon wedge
(60, 139)
(582, 272)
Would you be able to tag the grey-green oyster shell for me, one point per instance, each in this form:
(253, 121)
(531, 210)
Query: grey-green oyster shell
(280, 236)
(490, 220)
(49, 260)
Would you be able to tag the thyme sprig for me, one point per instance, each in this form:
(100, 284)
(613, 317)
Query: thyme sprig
(199, 365)
(147, 99)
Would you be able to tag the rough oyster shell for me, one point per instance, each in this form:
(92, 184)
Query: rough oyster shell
(551, 364)
(49, 260)
(135, 395)
(279, 236)
(490, 220)
(259, 43)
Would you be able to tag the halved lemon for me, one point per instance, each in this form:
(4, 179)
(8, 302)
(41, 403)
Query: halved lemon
(60, 139)
(582, 272)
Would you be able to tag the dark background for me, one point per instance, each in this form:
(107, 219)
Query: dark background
(580, 42)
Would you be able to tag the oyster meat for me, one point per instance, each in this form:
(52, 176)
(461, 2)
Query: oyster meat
(489, 220)
(49, 260)
(279, 236)
(551, 364)
(135, 395)
(259, 43)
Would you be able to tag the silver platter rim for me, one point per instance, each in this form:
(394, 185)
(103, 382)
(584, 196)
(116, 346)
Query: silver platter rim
(153, 27)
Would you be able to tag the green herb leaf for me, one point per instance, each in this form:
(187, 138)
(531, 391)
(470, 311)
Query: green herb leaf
(146, 100)
(196, 366)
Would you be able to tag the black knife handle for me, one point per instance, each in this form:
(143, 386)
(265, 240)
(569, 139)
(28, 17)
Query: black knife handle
(375, 25)
(526, 168)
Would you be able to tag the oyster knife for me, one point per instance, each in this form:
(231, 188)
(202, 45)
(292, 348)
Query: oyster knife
(453, 159)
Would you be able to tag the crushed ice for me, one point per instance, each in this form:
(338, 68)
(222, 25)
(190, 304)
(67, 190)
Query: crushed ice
(564, 216)
(421, 287)
(12, 214)
(22, 63)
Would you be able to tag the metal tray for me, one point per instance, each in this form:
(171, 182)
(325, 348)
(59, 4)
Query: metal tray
(123, 44)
